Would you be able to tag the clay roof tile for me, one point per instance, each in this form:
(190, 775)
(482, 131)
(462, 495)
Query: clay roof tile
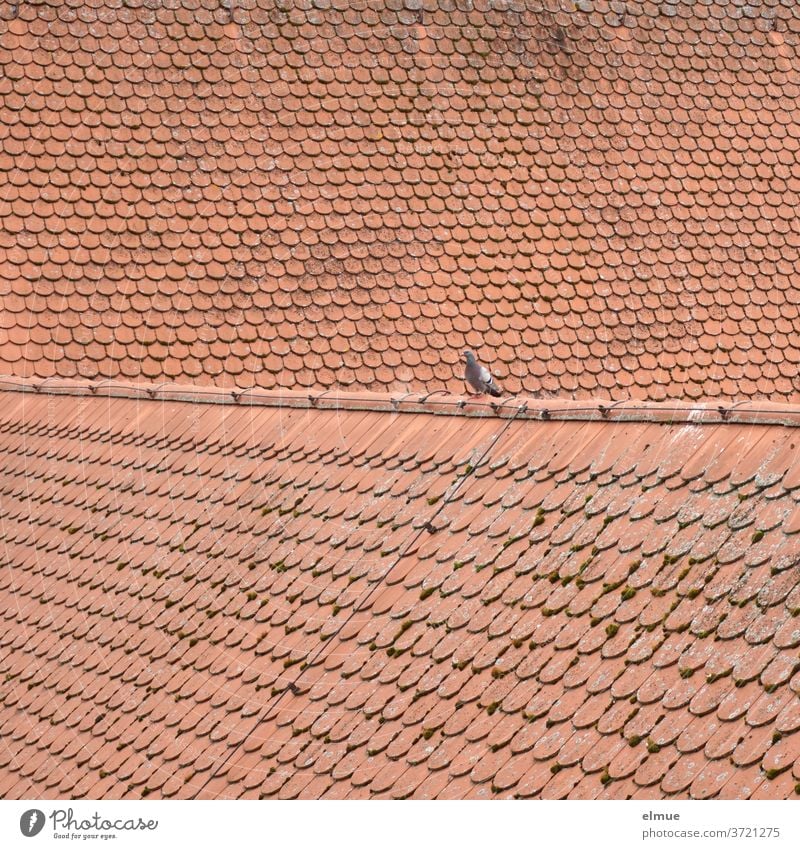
(473, 497)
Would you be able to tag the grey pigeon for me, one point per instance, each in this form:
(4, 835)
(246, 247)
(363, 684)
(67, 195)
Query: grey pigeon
(479, 378)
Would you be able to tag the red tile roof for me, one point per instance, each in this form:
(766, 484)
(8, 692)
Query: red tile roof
(600, 198)
(230, 600)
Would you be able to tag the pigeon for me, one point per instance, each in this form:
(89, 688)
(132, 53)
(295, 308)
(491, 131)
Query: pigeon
(479, 378)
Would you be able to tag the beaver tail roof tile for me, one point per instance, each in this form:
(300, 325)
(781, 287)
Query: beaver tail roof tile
(597, 200)
(351, 601)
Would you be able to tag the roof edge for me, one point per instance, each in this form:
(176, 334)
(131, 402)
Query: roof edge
(433, 403)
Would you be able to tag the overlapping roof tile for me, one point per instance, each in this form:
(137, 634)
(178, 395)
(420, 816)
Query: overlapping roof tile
(210, 600)
(598, 197)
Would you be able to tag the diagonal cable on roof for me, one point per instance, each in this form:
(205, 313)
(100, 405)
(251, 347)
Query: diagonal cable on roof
(313, 658)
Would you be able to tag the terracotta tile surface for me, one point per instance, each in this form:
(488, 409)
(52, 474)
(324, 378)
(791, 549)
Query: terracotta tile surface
(210, 600)
(599, 197)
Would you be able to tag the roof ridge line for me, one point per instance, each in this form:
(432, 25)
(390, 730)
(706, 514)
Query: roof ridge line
(437, 402)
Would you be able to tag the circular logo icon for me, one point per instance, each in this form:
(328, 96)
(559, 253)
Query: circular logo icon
(31, 822)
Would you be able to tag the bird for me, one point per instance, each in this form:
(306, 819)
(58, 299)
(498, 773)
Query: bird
(479, 378)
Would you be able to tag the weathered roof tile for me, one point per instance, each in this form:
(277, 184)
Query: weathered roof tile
(360, 225)
(322, 615)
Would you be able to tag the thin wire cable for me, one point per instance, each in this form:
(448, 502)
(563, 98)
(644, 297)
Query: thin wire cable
(313, 657)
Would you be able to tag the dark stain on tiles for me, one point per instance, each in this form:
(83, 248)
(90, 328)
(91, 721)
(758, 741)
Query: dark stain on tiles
(599, 198)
